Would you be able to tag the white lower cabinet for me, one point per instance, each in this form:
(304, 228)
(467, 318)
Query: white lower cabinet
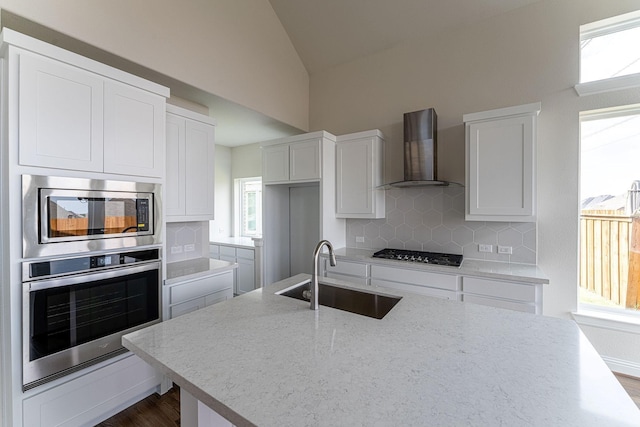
(348, 271)
(91, 398)
(191, 295)
(421, 282)
(503, 294)
(245, 280)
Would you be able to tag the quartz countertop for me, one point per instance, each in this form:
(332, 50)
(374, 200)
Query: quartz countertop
(246, 242)
(195, 268)
(524, 273)
(427, 362)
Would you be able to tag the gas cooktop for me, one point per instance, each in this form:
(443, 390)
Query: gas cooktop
(420, 256)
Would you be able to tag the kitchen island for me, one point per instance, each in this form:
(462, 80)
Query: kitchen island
(268, 360)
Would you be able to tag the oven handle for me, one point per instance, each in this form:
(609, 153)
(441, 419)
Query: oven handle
(82, 278)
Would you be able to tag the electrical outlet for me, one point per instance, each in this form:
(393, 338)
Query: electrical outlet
(485, 248)
(189, 248)
(507, 250)
(176, 249)
(359, 239)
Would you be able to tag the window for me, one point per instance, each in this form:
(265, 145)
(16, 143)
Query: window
(248, 203)
(610, 208)
(610, 54)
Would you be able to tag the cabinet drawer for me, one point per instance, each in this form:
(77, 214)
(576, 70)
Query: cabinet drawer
(496, 288)
(217, 297)
(244, 253)
(420, 289)
(351, 279)
(186, 307)
(228, 251)
(420, 278)
(346, 267)
(200, 287)
(511, 305)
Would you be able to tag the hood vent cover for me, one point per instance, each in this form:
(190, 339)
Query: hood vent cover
(420, 150)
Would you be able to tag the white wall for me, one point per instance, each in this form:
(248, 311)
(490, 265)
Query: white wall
(246, 161)
(237, 50)
(526, 55)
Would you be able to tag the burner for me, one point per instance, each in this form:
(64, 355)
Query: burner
(419, 256)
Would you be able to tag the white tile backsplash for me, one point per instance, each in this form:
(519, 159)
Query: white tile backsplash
(187, 240)
(432, 219)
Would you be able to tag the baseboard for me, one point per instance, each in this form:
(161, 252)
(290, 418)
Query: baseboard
(622, 366)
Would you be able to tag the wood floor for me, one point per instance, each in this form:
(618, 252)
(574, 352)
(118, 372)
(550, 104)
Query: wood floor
(164, 411)
(153, 411)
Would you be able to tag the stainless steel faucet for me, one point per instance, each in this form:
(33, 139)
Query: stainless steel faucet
(314, 278)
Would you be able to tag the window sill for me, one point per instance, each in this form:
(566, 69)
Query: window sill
(608, 85)
(629, 323)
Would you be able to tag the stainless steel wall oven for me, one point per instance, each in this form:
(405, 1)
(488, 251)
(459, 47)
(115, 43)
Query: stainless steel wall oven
(70, 215)
(76, 309)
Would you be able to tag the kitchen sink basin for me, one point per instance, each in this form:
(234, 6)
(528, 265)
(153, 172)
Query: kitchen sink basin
(365, 303)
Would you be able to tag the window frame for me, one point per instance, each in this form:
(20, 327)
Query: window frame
(239, 207)
(601, 28)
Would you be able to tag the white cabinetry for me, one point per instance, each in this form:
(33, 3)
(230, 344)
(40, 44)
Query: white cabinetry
(245, 280)
(298, 202)
(421, 282)
(72, 118)
(359, 172)
(500, 161)
(297, 161)
(504, 294)
(190, 166)
(194, 294)
(90, 398)
(348, 271)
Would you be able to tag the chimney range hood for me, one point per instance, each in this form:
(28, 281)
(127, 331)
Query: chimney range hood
(420, 150)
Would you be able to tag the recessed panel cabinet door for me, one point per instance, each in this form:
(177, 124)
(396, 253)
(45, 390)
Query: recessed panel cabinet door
(134, 126)
(174, 187)
(60, 115)
(199, 168)
(501, 159)
(275, 165)
(304, 160)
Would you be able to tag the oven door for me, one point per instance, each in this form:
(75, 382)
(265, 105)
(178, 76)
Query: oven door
(72, 322)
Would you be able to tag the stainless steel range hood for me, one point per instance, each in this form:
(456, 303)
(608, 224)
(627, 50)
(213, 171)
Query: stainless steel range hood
(420, 150)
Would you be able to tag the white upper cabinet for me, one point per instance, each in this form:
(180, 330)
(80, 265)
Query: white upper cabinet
(500, 161)
(295, 161)
(61, 115)
(359, 172)
(190, 166)
(134, 129)
(73, 118)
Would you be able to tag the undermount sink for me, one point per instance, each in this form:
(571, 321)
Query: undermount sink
(365, 303)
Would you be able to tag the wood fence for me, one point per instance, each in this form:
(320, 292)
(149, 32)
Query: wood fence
(610, 256)
(604, 254)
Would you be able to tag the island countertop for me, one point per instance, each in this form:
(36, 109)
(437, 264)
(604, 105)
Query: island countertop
(268, 360)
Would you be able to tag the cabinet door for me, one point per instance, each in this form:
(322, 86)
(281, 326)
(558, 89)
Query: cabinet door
(246, 277)
(275, 165)
(175, 195)
(60, 115)
(354, 179)
(500, 169)
(199, 169)
(134, 131)
(304, 161)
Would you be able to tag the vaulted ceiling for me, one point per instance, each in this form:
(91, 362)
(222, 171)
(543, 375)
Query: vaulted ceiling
(326, 33)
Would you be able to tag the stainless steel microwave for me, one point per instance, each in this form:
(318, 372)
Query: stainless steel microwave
(64, 215)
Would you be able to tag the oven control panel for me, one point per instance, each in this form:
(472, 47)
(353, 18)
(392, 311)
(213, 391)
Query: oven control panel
(50, 268)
